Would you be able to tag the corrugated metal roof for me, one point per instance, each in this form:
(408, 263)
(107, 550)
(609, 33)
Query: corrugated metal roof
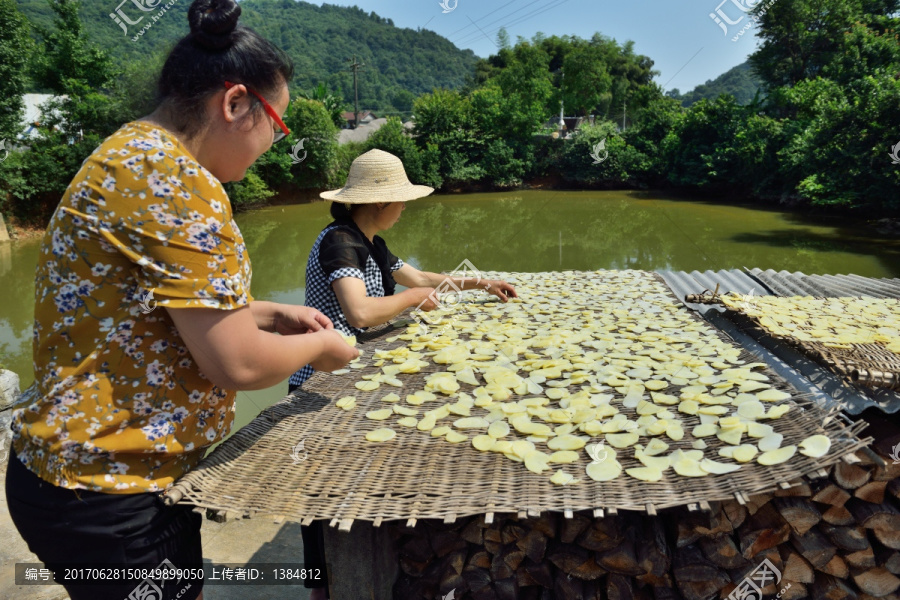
(804, 373)
(783, 283)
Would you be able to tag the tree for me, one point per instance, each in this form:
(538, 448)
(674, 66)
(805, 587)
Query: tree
(15, 45)
(310, 122)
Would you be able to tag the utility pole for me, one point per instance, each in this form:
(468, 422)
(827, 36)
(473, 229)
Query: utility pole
(355, 67)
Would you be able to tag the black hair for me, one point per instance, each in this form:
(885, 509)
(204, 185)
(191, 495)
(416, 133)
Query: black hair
(341, 211)
(218, 49)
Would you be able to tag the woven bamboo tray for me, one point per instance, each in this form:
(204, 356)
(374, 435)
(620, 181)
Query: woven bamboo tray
(344, 478)
(871, 365)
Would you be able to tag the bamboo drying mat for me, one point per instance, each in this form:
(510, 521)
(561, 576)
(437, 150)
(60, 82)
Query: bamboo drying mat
(415, 476)
(870, 364)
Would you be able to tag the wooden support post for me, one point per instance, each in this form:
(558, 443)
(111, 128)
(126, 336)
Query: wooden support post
(362, 562)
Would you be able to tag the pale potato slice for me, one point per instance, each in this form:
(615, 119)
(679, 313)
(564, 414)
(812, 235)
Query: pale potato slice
(772, 395)
(367, 386)
(566, 442)
(604, 471)
(404, 410)
(656, 384)
(563, 478)
(776, 457)
(656, 462)
(522, 448)
(564, 429)
(645, 473)
(689, 407)
(675, 432)
(712, 410)
(706, 430)
(770, 442)
(656, 446)
(564, 456)
(687, 467)
(730, 436)
(717, 468)
(622, 440)
(440, 431)
(536, 461)
(751, 410)
(379, 415)
(483, 442)
(699, 445)
(498, 429)
(815, 446)
(408, 421)
(744, 453)
(392, 397)
(381, 435)
(454, 437)
(470, 423)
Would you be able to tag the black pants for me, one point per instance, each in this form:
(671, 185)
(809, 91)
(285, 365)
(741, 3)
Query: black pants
(313, 544)
(67, 528)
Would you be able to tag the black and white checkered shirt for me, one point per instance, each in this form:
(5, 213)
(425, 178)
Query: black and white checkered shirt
(340, 251)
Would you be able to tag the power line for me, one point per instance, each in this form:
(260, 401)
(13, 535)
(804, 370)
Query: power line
(480, 18)
(554, 4)
(510, 15)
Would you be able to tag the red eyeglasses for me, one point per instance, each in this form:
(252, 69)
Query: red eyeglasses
(279, 135)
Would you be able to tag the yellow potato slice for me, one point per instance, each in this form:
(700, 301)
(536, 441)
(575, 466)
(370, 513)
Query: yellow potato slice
(566, 442)
(440, 431)
(660, 463)
(367, 386)
(689, 407)
(454, 437)
(772, 395)
(404, 410)
(379, 415)
(712, 410)
(563, 478)
(815, 446)
(687, 467)
(381, 435)
(483, 442)
(776, 412)
(699, 445)
(343, 402)
(759, 430)
(604, 471)
(645, 473)
(717, 468)
(776, 457)
(408, 421)
(730, 436)
(622, 440)
(564, 456)
(392, 397)
(675, 432)
(426, 423)
(743, 453)
(498, 429)
(656, 384)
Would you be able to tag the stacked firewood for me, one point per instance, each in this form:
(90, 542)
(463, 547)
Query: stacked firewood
(835, 538)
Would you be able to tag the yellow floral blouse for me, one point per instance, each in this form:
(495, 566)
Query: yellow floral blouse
(119, 405)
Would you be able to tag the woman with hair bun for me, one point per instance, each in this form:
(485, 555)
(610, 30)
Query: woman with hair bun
(144, 322)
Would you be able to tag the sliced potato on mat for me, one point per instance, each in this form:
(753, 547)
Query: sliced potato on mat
(815, 446)
(381, 435)
(776, 457)
(563, 478)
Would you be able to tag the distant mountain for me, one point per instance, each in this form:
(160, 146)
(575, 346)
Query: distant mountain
(740, 82)
(399, 63)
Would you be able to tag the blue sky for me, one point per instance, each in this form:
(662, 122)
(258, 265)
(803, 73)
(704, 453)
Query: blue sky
(686, 45)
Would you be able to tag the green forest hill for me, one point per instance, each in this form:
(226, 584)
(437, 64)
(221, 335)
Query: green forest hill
(400, 64)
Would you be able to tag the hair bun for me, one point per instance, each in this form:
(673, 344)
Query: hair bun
(213, 21)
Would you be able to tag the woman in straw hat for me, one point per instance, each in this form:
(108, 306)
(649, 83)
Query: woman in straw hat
(351, 274)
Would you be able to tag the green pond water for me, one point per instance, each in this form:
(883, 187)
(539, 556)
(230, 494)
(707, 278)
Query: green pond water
(527, 231)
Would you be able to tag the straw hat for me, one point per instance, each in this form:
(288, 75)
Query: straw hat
(377, 176)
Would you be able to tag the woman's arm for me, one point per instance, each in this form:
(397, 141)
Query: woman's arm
(234, 353)
(364, 311)
(412, 277)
